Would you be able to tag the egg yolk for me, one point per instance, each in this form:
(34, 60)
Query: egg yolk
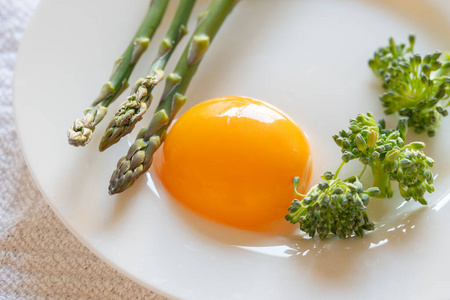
(232, 160)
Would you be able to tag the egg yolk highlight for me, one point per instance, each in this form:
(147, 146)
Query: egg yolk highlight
(232, 160)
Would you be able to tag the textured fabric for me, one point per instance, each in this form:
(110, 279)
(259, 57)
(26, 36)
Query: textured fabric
(39, 258)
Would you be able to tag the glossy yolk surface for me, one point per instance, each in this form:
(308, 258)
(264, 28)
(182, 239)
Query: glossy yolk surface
(232, 160)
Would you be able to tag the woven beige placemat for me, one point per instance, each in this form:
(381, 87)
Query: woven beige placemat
(39, 258)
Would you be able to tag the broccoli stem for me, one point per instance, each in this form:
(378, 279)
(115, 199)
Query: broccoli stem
(338, 170)
(381, 180)
(362, 172)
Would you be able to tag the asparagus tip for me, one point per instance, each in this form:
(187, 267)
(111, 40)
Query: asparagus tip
(78, 134)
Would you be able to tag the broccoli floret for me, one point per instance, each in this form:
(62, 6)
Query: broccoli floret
(412, 171)
(333, 206)
(339, 206)
(415, 87)
(385, 152)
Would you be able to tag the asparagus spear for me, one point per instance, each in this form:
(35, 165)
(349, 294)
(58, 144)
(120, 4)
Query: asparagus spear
(131, 111)
(140, 154)
(80, 133)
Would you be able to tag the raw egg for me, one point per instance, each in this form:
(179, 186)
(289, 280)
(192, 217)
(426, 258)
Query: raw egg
(232, 160)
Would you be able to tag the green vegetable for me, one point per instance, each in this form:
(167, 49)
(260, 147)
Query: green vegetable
(333, 206)
(131, 111)
(417, 87)
(140, 154)
(339, 206)
(390, 159)
(81, 132)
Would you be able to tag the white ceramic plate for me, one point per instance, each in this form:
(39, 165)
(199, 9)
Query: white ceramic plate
(307, 57)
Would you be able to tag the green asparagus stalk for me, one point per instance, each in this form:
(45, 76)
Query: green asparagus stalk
(140, 155)
(81, 132)
(131, 111)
